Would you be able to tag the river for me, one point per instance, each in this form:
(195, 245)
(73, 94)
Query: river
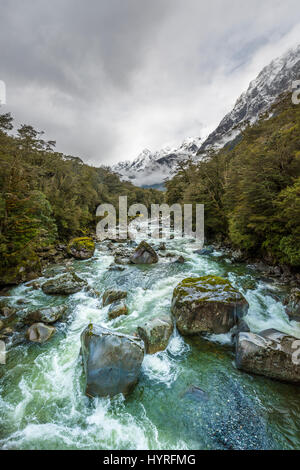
(42, 402)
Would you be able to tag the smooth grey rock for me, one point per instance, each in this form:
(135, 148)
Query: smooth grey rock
(112, 361)
(40, 333)
(156, 333)
(271, 353)
(65, 284)
(45, 315)
(144, 254)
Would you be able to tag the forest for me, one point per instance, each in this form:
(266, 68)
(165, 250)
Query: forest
(47, 197)
(251, 188)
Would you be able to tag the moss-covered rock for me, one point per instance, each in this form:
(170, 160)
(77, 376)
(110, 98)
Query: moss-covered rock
(81, 248)
(208, 304)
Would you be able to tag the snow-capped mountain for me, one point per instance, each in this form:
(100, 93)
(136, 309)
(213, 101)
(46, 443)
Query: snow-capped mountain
(151, 168)
(273, 80)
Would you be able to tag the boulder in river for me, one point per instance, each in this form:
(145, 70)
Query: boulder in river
(116, 309)
(271, 353)
(156, 333)
(112, 361)
(293, 305)
(205, 251)
(64, 284)
(112, 295)
(144, 254)
(45, 315)
(207, 304)
(81, 248)
(40, 333)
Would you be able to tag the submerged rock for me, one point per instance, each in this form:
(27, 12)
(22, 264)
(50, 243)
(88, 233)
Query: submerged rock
(156, 333)
(144, 254)
(112, 361)
(45, 315)
(195, 393)
(113, 295)
(64, 284)
(180, 260)
(208, 304)
(271, 353)
(81, 248)
(40, 333)
(205, 251)
(117, 309)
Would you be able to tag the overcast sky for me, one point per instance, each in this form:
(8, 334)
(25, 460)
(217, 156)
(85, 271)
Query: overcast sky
(108, 78)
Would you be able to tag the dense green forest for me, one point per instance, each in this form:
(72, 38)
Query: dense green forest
(251, 188)
(47, 197)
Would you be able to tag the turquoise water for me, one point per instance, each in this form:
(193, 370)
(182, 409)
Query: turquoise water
(42, 401)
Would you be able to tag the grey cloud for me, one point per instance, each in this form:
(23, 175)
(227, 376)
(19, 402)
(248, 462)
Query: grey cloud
(106, 78)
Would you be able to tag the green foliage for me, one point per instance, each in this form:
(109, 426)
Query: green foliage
(251, 190)
(46, 196)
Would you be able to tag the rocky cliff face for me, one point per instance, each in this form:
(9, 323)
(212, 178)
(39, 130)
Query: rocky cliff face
(273, 80)
(151, 168)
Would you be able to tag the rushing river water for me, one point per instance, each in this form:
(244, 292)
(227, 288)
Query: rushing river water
(42, 401)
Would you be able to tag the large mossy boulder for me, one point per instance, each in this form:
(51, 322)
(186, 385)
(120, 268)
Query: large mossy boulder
(46, 315)
(156, 333)
(113, 295)
(271, 353)
(112, 361)
(64, 284)
(40, 333)
(81, 248)
(207, 304)
(144, 254)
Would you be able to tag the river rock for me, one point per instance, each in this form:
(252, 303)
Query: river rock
(156, 333)
(45, 315)
(293, 305)
(271, 353)
(207, 304)
(144, 254)
(117, 309)
(113, 295)
(205, 251)
(112, 361)
(64, 284)
(40, 333)
(81, 248)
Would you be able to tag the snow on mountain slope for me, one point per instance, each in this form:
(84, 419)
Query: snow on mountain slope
(273, 80)
(151, 168)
